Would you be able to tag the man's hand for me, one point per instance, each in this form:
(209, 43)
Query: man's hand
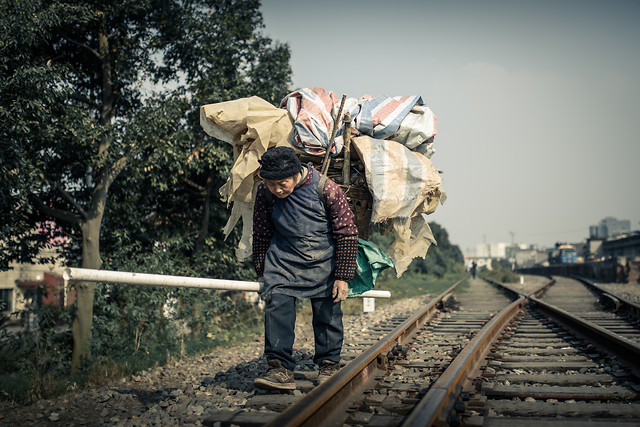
(340, 290)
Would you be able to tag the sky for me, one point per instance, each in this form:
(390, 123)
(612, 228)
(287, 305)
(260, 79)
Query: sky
(537, 101)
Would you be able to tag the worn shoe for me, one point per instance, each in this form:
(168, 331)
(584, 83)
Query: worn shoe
(277, 378)
(327, 369)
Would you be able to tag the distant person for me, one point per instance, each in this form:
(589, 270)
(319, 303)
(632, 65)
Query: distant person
(619, 274)
(626, 271)
(474, 268)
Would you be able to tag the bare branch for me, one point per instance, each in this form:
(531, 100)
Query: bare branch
(85, 46)
(55, 213)
(195, 185)
(66, 196)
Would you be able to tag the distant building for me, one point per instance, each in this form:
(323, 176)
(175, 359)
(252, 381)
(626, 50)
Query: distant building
(609, 227)
(518, 254)
(491, 250)
(593, 249)
(480, 262)
(528, 256)
(627, 246)
(32, 285)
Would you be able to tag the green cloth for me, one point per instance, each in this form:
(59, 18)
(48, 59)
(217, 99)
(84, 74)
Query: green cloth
(371, 261)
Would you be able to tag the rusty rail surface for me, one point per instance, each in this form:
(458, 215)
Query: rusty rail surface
(330, 399)
(627, 350)
(617, 301)
(518, 293)
(434, 407)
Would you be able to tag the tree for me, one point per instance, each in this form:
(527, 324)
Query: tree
(441, 258)
(78, 109)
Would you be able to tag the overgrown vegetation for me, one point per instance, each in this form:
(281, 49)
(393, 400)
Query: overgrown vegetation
(102, 146)
(134, 329)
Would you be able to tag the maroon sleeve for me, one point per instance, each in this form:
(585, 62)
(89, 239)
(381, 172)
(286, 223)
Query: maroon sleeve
(262, 228)
(340, 214)
(346, 256)
(344, 230)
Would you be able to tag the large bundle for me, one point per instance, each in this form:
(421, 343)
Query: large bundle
(354, 186)
(379, 151)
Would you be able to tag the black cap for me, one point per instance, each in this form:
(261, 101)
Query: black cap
(279, 163)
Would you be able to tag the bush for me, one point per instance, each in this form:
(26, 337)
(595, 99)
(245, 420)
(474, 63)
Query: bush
(500, 273)
(34, 363)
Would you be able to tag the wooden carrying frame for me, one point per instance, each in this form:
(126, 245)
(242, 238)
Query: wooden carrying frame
(347, 170)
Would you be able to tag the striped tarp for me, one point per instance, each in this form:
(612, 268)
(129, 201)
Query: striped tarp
(314, 110)
(311, 110)
(405, 186)
(403, 183)
(380, 117)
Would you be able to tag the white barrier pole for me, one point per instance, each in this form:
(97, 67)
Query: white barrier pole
(145, 279)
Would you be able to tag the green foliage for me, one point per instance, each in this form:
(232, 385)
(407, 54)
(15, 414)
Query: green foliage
(413, 283)
(443, 266)
(91, 92)
(441, 259)
(500, 272)
(34, 362)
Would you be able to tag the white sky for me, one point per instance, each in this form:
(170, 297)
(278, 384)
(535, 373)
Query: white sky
(537, 101)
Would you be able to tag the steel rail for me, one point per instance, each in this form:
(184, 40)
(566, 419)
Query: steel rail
(436, 404)
(609, 340)
(620, 302)
(542, 289)
(434, 408)
(517, 293)
(513, 292)
(330, 399)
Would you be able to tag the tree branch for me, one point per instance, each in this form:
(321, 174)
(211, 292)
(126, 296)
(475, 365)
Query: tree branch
(109, 174)
(84, 46)
(66, 196)
(56, 213)
(195, 185)
(85, 100)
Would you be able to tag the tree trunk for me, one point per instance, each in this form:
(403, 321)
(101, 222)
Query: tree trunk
(206, 215)
(83, 321)
(85, 292)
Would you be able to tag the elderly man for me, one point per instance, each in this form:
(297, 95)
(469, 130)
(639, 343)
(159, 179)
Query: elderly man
(305, 244)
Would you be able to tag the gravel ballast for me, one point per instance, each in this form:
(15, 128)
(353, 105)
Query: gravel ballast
(187, 391)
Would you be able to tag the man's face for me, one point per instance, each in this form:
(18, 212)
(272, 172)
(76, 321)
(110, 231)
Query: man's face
(281, 188)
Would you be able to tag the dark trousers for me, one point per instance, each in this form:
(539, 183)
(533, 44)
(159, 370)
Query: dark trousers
(279, 329)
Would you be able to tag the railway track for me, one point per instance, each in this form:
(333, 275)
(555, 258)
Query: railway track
(485, 357)
(621, 316)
